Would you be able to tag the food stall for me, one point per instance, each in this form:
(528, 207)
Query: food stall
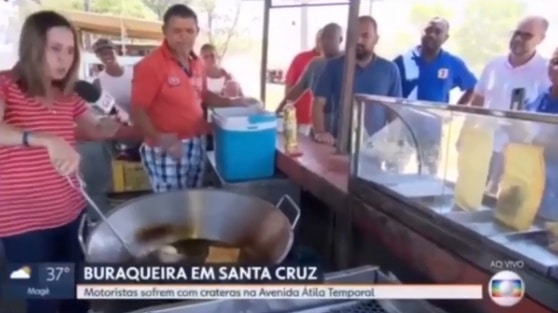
(388, 208)
(378, 203)
(412, 215)
(374, 202)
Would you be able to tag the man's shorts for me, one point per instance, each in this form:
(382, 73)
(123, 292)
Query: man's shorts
(168, 174)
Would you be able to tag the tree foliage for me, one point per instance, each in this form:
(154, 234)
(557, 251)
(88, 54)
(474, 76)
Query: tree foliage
(487, 24)
(127, 8)
(422, 13)
(160, 6)
(219, 21)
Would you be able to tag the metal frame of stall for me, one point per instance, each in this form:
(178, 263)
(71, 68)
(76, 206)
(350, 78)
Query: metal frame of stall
(350, 50)
(343, 223)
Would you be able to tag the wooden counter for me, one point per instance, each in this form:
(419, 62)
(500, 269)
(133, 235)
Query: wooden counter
(324, 173)
(319, 170)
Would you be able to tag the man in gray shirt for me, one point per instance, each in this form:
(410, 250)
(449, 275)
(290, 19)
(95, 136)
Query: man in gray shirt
(330, 42)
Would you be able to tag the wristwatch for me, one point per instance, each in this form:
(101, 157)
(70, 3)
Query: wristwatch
(25, 139)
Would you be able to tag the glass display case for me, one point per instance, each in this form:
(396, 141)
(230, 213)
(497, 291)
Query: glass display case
(487, 175)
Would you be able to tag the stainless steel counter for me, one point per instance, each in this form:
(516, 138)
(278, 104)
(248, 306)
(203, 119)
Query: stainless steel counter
(270, 189)
(361, 275)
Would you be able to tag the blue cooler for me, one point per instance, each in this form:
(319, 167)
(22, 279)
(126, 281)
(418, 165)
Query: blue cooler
(245, 143)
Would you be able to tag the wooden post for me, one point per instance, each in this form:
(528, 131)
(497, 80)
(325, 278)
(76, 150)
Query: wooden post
(346, 104)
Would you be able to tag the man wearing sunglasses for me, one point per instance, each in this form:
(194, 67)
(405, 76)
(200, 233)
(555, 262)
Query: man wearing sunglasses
(523, 67)
(509, 82)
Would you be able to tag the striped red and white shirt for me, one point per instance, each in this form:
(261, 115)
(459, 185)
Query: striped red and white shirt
(33, 196)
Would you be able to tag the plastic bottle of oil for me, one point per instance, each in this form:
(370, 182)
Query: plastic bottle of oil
(290, 129)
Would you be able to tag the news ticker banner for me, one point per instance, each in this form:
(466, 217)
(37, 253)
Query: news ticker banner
(59, 280)
(276, 292)
(103, 281)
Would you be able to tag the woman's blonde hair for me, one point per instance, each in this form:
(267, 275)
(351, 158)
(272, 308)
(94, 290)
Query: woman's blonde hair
(29, 71)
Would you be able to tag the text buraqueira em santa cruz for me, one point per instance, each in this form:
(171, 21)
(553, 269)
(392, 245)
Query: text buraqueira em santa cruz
(203, 274)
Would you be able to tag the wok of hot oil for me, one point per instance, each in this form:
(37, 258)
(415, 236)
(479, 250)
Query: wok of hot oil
(177, 245)
(200, 251)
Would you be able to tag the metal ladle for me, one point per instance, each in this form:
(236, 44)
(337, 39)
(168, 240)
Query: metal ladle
(81, 188)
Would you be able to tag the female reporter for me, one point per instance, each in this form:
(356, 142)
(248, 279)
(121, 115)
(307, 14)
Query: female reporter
(39, 209)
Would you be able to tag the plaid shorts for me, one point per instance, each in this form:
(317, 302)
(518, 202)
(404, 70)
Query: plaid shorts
(168, 174)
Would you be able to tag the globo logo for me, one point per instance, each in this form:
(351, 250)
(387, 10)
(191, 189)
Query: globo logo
(506, 288)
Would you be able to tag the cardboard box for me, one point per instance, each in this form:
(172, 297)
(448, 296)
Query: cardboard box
(129, 176)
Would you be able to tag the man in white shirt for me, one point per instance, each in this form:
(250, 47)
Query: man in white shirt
(518, 77)
(96, 167)
(114, 78)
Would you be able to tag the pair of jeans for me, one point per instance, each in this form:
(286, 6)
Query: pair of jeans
(96, 172)
(50, 245)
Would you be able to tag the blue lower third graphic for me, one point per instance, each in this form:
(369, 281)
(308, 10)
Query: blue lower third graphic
(39, 281)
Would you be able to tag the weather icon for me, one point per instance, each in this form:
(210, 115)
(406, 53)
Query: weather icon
(23, 273)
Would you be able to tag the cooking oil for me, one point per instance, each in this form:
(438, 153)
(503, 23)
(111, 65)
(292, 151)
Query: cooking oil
(290, 129)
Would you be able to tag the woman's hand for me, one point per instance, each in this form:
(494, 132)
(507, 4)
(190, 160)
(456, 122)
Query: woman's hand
(63, 156)
(91, 126)
(122, 116)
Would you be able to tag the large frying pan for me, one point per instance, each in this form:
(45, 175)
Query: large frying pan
(210, 214)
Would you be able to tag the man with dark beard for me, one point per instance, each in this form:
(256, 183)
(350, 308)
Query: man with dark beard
(374, 75)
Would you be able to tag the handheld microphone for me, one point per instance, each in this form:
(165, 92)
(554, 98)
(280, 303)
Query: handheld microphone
(100, 99)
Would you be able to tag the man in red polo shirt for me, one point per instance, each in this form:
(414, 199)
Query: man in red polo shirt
(296, 69)
(168, 89)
